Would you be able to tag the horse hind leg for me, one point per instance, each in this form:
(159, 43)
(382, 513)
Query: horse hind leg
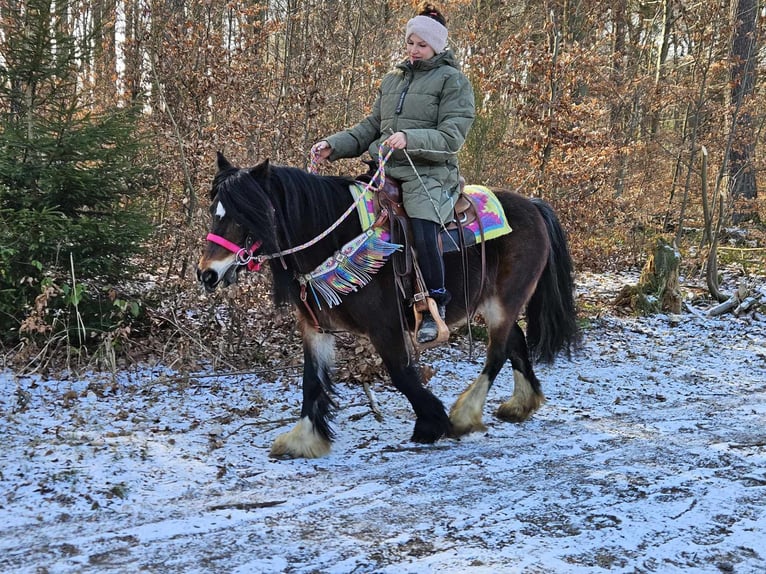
(312, 436)
(527, 393)
(504, 343)
(467, 412)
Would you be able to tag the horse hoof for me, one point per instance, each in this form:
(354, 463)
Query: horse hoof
(462, 430)
(284, 448)
(515, 411)
(301, 442)
(429, 431)
(512, 413)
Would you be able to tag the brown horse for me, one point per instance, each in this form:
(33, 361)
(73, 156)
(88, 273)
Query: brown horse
(278, 214)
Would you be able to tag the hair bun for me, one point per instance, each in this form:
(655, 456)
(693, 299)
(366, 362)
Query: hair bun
(432, 11)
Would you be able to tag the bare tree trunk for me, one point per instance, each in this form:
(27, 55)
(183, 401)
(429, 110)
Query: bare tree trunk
(698, 107)
(133, 51)
(744, 48)
(677, 168)
(104, 15)
(662, 55)
(554, 45)
(711, 273)
(618, 110)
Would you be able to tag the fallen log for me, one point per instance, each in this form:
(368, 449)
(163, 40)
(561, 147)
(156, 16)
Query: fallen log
(747, 304)
(740, 302)
(724, 307)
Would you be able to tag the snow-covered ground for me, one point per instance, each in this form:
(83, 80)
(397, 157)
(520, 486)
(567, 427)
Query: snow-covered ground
(649, 456)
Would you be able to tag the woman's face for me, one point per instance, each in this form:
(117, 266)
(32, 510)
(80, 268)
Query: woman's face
(418, 49)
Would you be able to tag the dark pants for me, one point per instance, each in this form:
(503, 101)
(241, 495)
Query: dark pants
(426, 233)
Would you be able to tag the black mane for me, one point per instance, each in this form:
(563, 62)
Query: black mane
(285, 207)
(308, 204)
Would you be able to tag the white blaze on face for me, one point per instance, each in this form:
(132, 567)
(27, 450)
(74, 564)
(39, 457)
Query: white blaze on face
(229, 261)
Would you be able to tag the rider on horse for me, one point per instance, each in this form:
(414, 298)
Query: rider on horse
(423, 111)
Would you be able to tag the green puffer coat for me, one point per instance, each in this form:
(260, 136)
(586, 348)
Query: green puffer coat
(432, 102)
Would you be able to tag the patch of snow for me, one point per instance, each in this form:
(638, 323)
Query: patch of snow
(649, 456)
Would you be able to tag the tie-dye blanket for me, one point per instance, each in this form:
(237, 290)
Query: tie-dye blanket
(490, 211)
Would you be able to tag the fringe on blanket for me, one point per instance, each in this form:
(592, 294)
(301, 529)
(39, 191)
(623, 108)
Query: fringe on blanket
(351, 268)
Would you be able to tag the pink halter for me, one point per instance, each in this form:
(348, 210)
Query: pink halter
(244, 256)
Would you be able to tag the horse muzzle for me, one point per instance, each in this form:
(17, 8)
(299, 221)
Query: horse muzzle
(211, 278)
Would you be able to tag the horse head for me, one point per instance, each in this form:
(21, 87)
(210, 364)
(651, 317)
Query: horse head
(242, 224)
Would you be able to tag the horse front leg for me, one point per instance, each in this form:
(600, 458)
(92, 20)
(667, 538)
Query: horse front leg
(431, 422)
(312, 436)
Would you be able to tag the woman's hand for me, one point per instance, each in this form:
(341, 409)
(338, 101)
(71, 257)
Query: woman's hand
(396, 141)
(321, 151)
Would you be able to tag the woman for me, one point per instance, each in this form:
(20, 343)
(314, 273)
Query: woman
(423, 111)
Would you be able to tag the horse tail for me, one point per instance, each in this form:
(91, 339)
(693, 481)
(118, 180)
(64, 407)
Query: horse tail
(551, 311)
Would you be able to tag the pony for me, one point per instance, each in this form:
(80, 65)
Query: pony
(293, 219)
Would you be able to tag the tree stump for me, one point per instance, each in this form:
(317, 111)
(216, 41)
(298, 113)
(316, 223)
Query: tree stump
(657, 289)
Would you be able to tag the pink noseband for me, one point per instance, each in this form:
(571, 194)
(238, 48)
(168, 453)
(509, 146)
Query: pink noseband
(244, 256)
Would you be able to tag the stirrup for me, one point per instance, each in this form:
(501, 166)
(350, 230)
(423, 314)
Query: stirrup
(431, 315)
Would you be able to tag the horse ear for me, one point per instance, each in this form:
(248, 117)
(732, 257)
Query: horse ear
(223, 163)
(261, 170)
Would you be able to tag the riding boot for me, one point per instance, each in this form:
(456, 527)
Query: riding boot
(429, 330)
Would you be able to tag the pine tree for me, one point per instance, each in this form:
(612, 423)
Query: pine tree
(70, 181)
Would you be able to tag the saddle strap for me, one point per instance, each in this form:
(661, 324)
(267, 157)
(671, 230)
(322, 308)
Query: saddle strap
(483, 257)
(399, 228)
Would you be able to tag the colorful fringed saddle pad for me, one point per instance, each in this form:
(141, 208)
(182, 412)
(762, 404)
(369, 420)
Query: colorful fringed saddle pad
(353, 266)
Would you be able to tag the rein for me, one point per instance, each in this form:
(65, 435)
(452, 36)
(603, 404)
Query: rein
(246, 256)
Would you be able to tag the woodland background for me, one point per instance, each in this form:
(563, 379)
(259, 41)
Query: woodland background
(637, 120)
